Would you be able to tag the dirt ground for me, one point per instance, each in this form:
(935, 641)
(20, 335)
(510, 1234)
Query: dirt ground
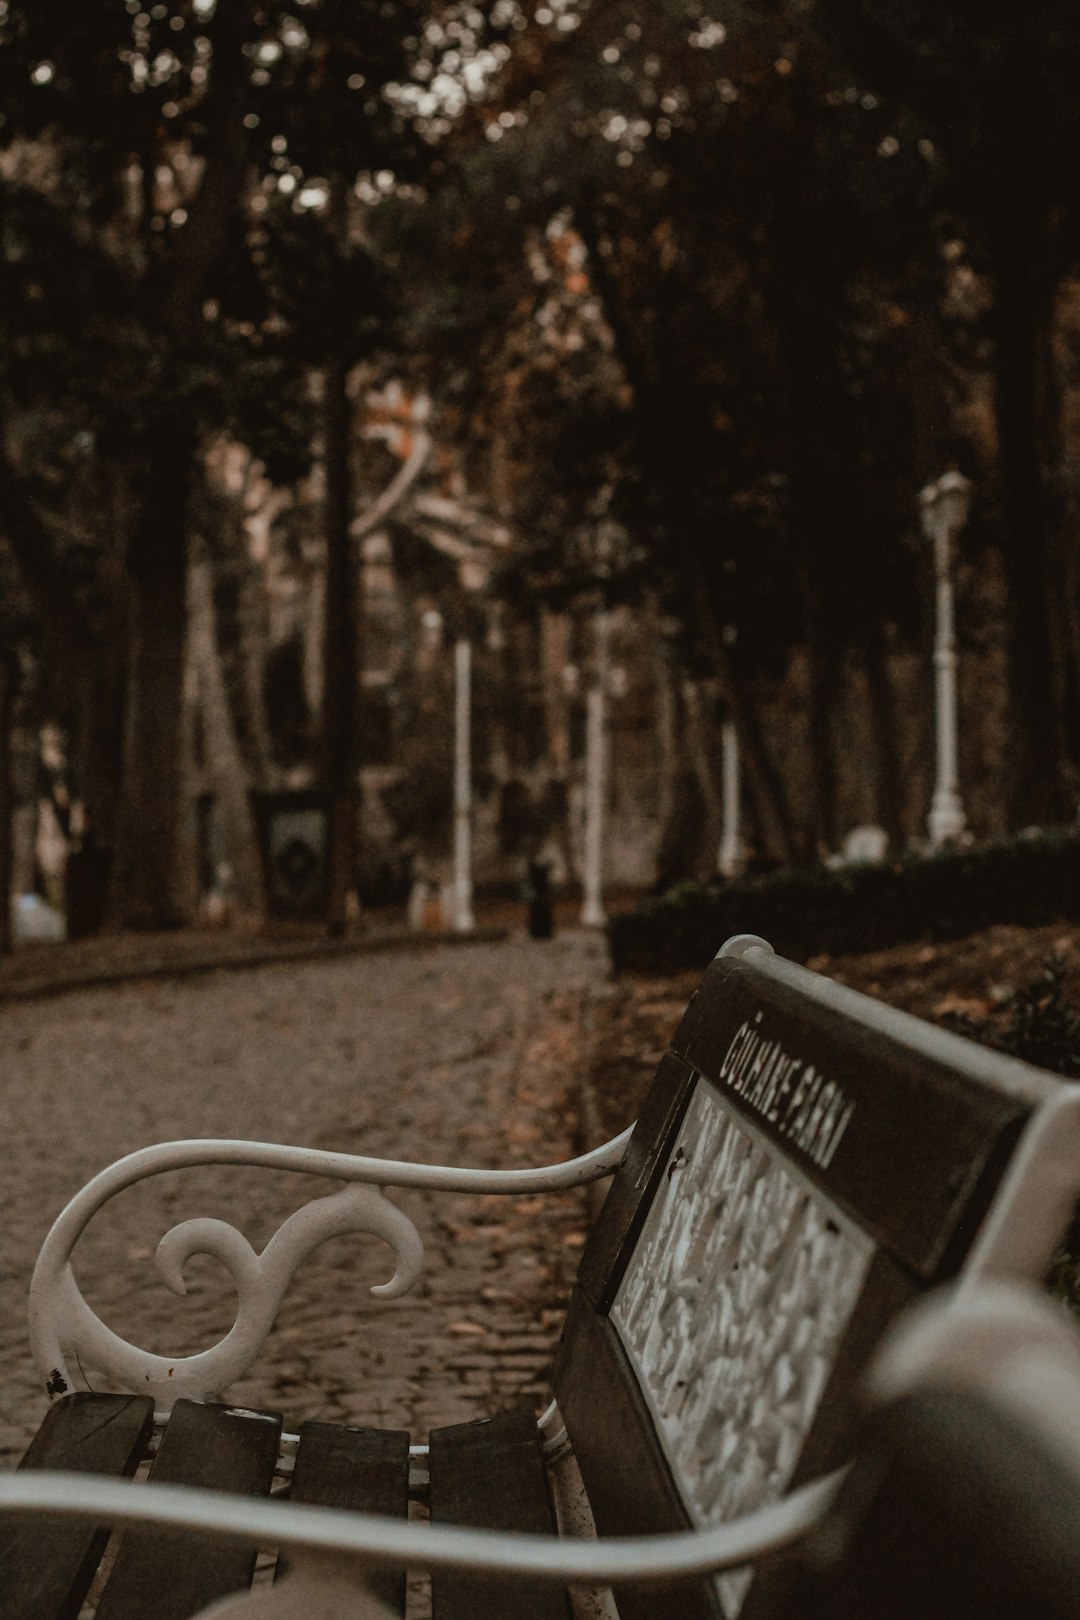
(973, 978)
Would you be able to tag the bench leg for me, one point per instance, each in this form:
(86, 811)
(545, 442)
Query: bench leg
(573, 1516)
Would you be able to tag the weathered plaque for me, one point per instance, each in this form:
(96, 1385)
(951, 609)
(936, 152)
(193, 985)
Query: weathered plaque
(808, 1162)
(732, 1309)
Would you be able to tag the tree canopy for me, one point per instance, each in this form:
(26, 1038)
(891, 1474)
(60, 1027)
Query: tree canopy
(701, 296)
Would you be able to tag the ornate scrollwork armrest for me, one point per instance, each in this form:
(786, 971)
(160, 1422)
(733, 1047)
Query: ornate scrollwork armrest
(63, 1327)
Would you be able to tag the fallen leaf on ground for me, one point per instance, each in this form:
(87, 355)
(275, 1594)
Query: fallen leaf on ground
(967, 1006)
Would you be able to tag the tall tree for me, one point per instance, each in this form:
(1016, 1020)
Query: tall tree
(176, 155)
(738, 305)
(996, 87)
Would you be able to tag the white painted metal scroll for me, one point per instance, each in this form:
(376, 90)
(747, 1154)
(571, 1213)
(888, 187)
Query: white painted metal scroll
(64, 1329)
(261, 1282)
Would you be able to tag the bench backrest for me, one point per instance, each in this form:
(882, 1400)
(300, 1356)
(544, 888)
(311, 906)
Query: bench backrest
(964, 1494)
(807, 1161)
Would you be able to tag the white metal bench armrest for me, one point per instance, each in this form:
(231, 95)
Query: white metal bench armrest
(1010, 1342)
(63, 1328)
(321, 1540)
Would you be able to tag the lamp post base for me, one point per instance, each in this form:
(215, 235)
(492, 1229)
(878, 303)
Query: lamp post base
(464, 919)
(593, 915)
(946, 821)
(732, 858)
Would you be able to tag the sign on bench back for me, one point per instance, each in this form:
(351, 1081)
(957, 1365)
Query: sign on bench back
(807, 1161)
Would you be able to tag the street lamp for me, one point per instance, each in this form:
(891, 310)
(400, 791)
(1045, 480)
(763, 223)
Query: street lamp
(944, 510)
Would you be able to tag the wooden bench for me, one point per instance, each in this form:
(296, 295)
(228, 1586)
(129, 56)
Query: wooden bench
(807, 1162)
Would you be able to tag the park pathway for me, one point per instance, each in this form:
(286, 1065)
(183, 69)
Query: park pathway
(468, 1055)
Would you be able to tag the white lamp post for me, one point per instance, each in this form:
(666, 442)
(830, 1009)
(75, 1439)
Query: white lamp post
(592, 910)
(463, 919)
(944, 506)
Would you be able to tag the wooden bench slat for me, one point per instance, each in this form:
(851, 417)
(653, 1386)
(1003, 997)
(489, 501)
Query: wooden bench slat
(46, 1565)
(365, 1470)
(172, 1575)
(490, 1475)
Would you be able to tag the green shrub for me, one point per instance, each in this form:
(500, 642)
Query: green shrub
(801, 913)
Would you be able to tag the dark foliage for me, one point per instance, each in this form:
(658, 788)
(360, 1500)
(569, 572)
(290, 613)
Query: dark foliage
(1037, 1024)
(858, 908)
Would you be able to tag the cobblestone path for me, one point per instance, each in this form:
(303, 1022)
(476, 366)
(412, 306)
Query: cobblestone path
(462, 1056)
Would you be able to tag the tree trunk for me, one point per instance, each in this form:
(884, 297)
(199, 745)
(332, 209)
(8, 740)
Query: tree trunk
(261, 504)
(100, 701)
(820, 507)
(223, 760)
(1069, 620)
(884, 739)
(554, 647)
(7, 707)
(254, 645)
(667, 753)
(341, 644)
(146, 891)
(703, 752)
(821, 695)
(766, 785)
(1023, 307)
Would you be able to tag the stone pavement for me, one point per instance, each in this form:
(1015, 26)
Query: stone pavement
(37, 969)
(468, 1055)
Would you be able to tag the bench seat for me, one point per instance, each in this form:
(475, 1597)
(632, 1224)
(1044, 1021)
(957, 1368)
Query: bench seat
(488, 1474)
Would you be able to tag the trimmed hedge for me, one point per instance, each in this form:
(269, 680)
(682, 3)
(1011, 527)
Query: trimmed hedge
(1029, 880)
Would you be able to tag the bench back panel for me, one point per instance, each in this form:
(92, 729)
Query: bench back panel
(806, 1163)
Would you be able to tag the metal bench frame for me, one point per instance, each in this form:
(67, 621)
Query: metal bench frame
(963, 1496)
(329, 1550)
